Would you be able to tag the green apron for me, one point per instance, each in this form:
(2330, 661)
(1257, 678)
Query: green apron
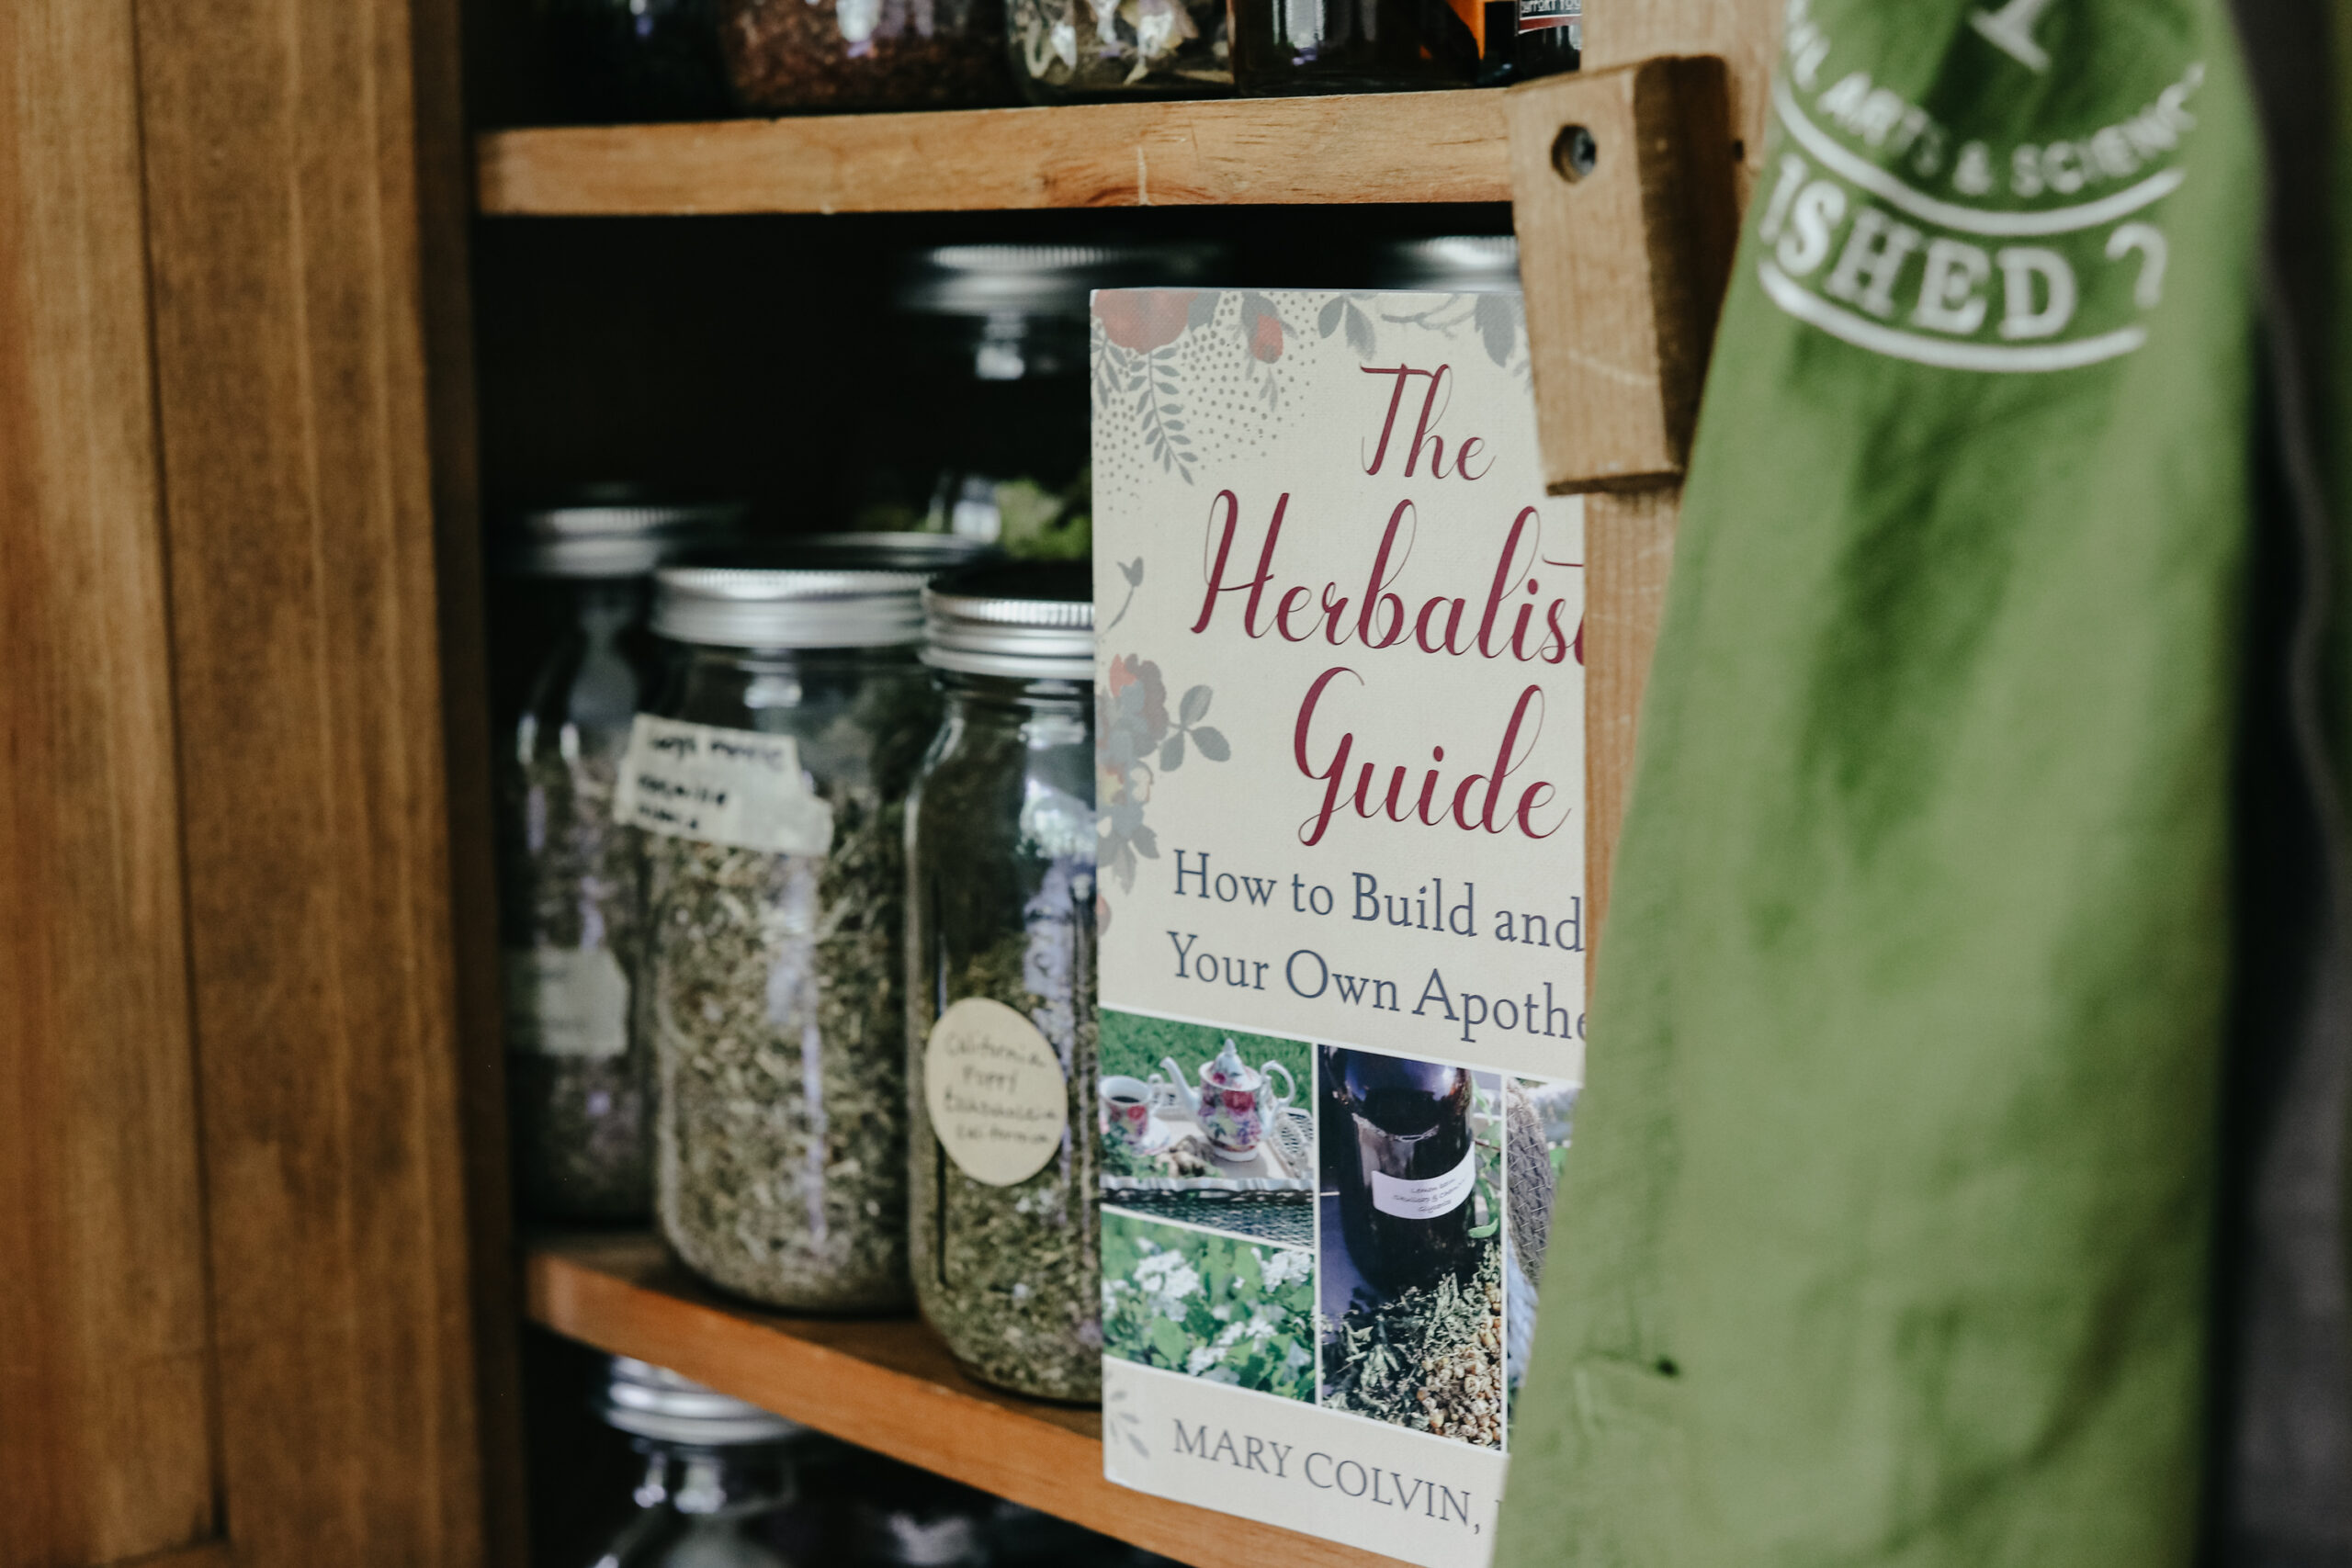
(1885, 1238)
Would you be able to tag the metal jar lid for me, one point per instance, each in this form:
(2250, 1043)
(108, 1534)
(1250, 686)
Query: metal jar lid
(1043, 281)
(1462, 263)
(840, 591)
(1026, 622)
(906, 551)
(653, 1401)
(605, 531)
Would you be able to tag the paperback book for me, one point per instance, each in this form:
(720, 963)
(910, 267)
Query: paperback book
(1342, 926)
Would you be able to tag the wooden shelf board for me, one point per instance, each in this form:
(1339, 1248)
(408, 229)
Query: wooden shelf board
(886, 1384)
(1416, 147)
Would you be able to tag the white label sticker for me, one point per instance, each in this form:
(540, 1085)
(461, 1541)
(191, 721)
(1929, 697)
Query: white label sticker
(998, 1101)
(721, 786)
(1426, 1200)
(566, 1002)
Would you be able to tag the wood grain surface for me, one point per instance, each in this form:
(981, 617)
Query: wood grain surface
(886, 1384)
(105, 1449)
(1624, 262)
(284, 224)
(1628, 552)
(1419, 147)
(1630, 538)
(1745, 33)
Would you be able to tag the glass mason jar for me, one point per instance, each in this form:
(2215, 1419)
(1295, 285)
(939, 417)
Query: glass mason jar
(620, 61)
(1097, 51)
(715, 1469)
(572, 608)
(1290, 47)
(770, 776)
(1000, 1020)
(789, 56)
(989, 437)
(1456, 264)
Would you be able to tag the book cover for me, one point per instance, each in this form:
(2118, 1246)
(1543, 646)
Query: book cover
(1340, 790)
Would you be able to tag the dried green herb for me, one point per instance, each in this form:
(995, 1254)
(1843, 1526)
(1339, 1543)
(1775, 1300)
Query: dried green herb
(1430, 1358)
(569, 883)
(1010, 1276)
(773, 989)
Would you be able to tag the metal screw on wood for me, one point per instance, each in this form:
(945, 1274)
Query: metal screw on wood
(1574, 153)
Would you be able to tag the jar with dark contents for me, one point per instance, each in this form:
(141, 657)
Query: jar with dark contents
(570, 622)
(1283, 48)
(1097, 51)
(1001, 1016)
(802, 56)
(989, 438)
(770, 777)
(620, 60)
(1550, 40)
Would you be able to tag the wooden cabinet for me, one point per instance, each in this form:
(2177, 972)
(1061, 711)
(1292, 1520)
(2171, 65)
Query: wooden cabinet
(259, 1297)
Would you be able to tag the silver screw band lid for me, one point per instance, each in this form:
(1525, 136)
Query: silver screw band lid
(653, 1401)
(610, 531)
(1465, 264)
(983, 280)
(1022, 622)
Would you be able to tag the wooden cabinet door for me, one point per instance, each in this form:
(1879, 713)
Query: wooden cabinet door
(250, 1244)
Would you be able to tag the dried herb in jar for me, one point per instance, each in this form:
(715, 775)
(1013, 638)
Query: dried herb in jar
(786, 55)
(1078, 48)
(773, 987)
(576, 1084)
(1000, 936)
(1015, 1271)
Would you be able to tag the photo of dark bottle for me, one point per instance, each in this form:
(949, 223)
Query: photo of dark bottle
(1408, 1172)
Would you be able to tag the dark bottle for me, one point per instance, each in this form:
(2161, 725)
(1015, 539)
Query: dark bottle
(1404, 1195)
(1284, 46)
(618, 60)
(1551, 39)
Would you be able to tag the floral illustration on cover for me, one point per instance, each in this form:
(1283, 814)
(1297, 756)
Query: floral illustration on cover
(1145, 339)
(1493, 319)
(1137, 738)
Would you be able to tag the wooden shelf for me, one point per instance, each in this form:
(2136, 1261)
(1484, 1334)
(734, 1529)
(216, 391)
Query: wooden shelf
(885, 1384)
(1416, 147)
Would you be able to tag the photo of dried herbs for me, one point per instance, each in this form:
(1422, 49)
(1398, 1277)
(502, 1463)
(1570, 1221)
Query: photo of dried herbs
(1537, 1117)
(1430, 1358)
(1412, 1322)
(1217, 1307)
(772, 991)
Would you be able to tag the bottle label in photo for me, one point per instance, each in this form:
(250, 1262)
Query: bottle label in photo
(1426, 1200)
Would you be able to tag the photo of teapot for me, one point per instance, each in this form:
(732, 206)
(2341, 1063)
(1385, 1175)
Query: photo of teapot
(1234, 1101)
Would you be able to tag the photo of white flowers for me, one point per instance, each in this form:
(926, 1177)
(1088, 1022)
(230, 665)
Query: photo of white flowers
(1222, 1308)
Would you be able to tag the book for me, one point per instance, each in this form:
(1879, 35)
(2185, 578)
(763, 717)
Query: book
(1340, 737)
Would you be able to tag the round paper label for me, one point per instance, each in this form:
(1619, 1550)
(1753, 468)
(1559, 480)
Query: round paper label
(998, 1101)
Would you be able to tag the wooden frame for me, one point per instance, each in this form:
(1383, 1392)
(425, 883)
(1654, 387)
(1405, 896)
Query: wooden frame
(260, 1212)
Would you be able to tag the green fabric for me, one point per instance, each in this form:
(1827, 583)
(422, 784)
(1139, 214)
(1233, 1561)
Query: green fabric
(1884, 1236)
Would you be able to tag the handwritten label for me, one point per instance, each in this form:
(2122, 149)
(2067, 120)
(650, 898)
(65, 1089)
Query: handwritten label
(998, 1100)
(1426, 1200)
(721, 787)
(565, 1001)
